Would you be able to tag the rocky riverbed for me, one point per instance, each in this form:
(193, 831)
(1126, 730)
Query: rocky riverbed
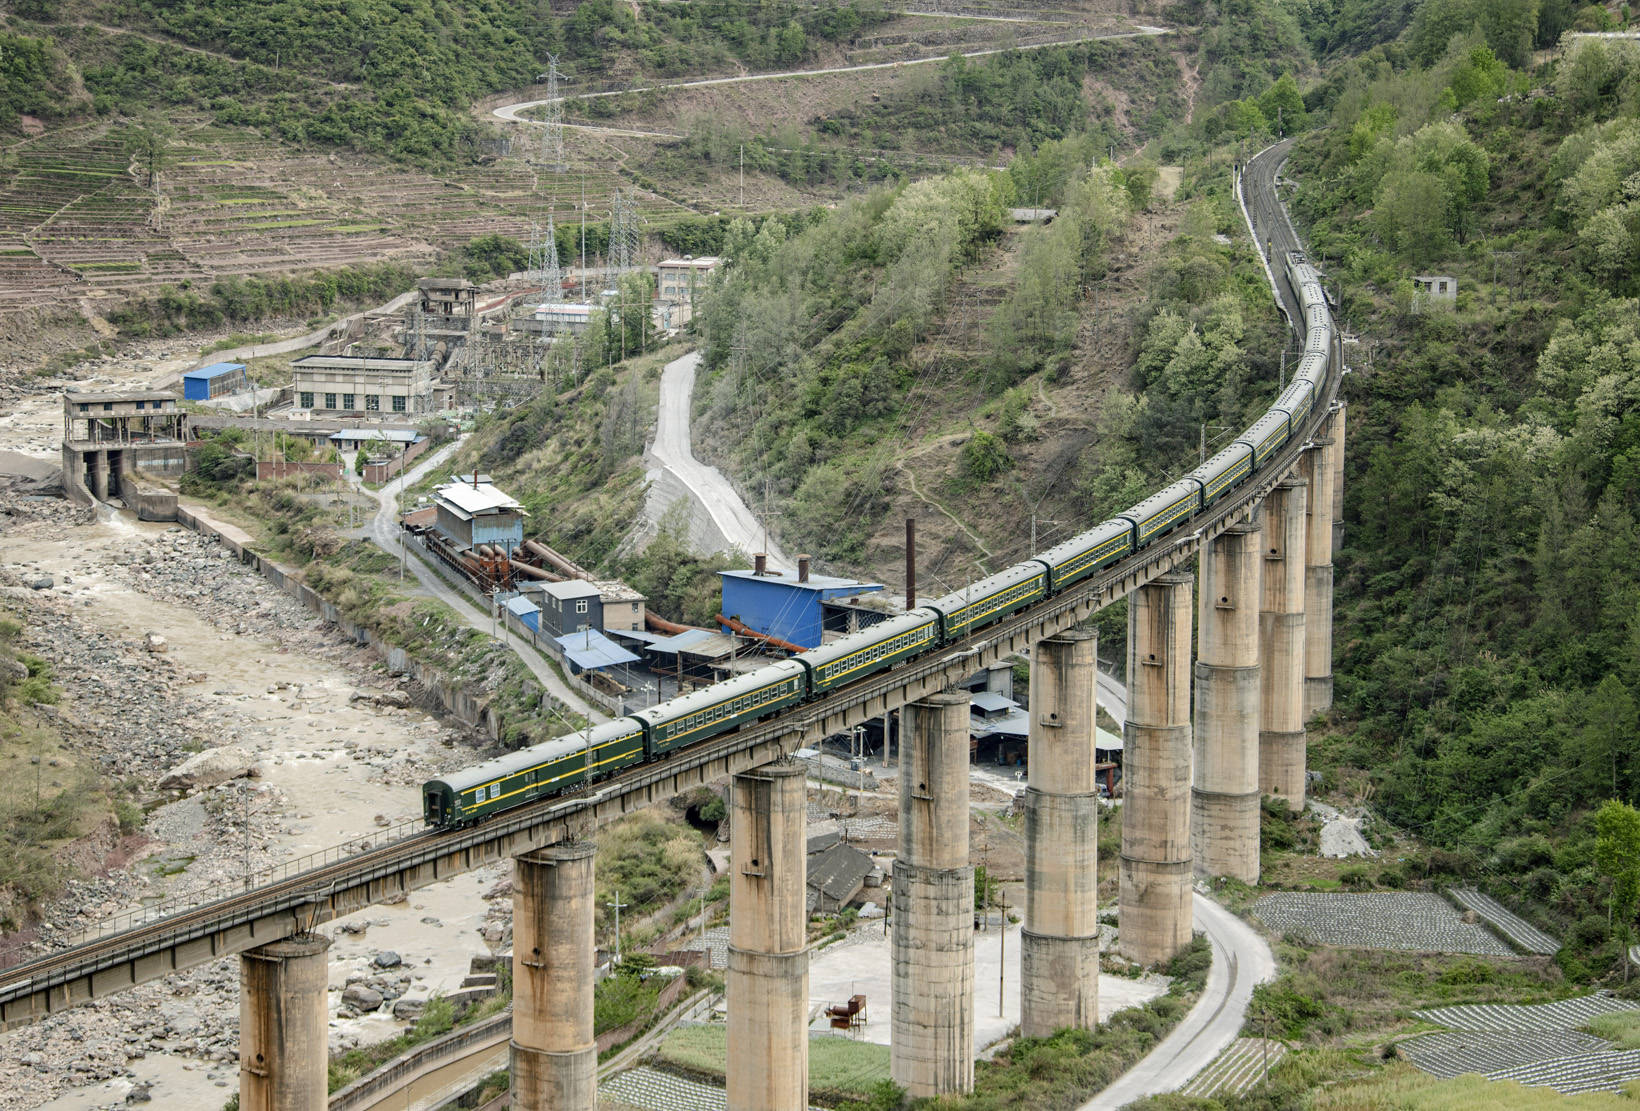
(273, 737)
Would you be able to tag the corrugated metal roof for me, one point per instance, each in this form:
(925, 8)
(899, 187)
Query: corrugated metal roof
(215, 370)
(393, 435)
(815, 582)
(570, 589)
(990, 701)
(520, 607)
(679, 642)
(483, 498)
(839, 871)
(589, 649)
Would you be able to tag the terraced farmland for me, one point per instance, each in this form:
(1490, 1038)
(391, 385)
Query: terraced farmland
(1538, 1045)
(1412, 920)
(1237, 1069)
(78, 220)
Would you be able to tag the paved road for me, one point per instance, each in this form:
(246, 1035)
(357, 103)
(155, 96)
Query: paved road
(509, 112)
(673, 453)
(1241, 961)
(385, 531)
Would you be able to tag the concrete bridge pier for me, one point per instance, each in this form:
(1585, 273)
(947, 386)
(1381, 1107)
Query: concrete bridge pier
(1319, 470)
(1281, 646)
(1154, 898)
(554, 1058)
(1224, 817)
(1340, 412)
(768, 977)
(932, 1051)
(1059, 946)
(284, 1033)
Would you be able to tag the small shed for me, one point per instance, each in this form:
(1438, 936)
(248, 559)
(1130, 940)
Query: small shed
(589, 650)
(691, 655)
(527, 612)
(216, 380)
(835, 876)
(569, 607)
(396, 439)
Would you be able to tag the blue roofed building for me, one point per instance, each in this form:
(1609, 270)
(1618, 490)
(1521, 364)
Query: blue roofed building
(790, 606)
(590, 650)
(216, 380)
(527, 612)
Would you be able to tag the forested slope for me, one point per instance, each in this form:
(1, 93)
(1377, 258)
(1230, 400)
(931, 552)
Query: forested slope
(1489, 589)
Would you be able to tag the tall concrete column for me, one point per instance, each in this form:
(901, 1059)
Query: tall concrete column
(1224, 819)
(1338, 421)
(554, 1058)
(1317, 467)
(1281, 646)
(1154, 897)
(768, 980)
(284, 1025)
(1059, 946)
(933, 1033)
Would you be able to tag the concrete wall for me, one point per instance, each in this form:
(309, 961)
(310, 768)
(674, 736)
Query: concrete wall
(458, 700)
(378, 473)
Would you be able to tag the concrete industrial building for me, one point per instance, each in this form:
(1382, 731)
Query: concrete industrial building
(623, 607)
(364, 385)
(109, 437)
(472, 512)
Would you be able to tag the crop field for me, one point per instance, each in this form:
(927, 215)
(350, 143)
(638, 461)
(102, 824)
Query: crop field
(78, 218)
(1514, 929)
(1412, 920)
(1537, 1045)
(1237, 1069)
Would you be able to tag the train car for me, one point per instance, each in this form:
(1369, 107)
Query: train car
(1296, 401)
(549, 768)
(722, 706)
(1313, 368)
(859, 654)
(1222, 473)
(990, 599)
(1266, 436)
(1163, 511)
(1081, 556)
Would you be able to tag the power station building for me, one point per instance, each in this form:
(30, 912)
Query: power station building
(791, 606)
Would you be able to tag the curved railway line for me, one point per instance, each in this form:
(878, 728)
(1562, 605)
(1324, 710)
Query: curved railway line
(48, 984)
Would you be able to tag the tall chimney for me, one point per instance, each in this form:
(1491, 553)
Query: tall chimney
(911, 563)
(760, 564)
(802, 568)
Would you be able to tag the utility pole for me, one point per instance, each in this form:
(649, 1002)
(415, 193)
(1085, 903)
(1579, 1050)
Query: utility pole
(617, 905)
(743, 175)
(245, 830)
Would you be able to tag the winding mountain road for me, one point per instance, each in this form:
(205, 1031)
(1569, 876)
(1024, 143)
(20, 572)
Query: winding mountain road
(384, 530)
(510, 112)
(715, 508)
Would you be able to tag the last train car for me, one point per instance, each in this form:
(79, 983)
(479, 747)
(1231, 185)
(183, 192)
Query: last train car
(539, 771)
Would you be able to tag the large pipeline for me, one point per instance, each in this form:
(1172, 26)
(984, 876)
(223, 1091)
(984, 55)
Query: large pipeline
(662, 625)
(530, 571)
(567, 566)
(771, 641)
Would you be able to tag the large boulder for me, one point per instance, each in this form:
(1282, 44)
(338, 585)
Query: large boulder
(208, 768)
(361, 998)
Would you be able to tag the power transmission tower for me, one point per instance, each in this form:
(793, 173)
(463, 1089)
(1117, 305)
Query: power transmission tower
(551, 154)
(624, 234)
(552, 273)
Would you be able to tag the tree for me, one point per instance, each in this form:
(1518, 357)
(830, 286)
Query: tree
(1617, 855)
(1282, 105)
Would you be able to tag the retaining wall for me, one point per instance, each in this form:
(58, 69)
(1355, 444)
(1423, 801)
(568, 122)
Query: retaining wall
(451, 696)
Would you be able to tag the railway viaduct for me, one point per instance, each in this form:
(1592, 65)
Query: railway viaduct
(1260, 603)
